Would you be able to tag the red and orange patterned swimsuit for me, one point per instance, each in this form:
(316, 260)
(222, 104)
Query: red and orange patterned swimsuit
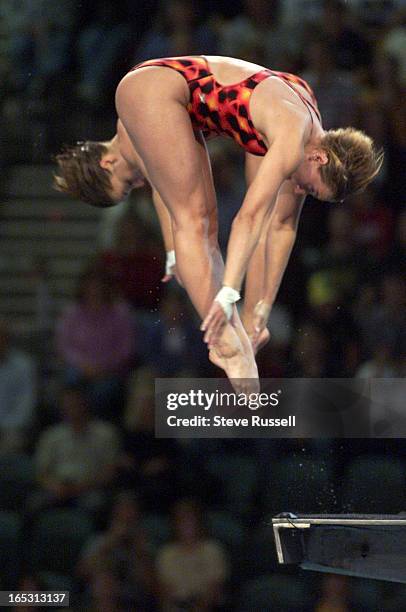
(224, 109)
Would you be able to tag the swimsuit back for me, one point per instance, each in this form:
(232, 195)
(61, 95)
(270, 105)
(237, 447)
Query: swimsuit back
(224, 109)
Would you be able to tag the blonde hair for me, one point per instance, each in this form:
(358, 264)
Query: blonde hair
(81, 176)
(353, 161)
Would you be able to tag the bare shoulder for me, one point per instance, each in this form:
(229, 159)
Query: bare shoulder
(278, 112)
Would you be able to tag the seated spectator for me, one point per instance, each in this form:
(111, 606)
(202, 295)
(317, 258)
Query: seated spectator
(192, 569)
(148, 464)
(75, 459)
(122, 550)
(96, 340)
(17, 393)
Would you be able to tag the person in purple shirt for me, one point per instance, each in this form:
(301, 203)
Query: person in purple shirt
(96, 341)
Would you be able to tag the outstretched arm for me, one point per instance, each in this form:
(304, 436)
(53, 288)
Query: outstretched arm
(260, 291)
(280, 239)
(278, 164)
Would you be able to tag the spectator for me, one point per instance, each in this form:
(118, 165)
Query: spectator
(17, 393)
(75, 459)
(191, 570)
(122, 550)
(96, 341)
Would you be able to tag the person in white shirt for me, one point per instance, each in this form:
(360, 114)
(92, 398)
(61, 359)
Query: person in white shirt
(192, 569)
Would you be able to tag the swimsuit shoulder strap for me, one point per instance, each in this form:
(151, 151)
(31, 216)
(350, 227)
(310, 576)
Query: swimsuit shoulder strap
(290, 79)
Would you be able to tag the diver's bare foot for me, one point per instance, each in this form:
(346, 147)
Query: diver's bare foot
(235, 354)
(215, 358)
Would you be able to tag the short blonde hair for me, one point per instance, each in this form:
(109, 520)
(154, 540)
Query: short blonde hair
(81, 176)
(353, 161)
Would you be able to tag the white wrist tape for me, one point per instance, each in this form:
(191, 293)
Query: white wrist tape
(170, 262)
(226, 297)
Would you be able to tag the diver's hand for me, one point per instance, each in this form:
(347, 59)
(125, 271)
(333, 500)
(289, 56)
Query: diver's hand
(219, 314)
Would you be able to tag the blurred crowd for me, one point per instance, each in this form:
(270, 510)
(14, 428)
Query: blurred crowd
(139, 523)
